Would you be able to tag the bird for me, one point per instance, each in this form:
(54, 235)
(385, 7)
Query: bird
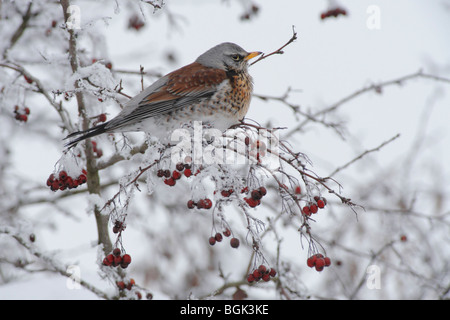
(216, 89)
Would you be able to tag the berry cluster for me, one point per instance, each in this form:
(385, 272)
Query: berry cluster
(201, 204)
(117, 259)
(172, 177)
(261, 273)
(218, 237)
(333, 13)
(318, 261)
(320, 203)
(21, 116)
(255, 197)
(122, 285)
(64, 181)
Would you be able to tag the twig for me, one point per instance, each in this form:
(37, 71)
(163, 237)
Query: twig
(279, 50)
(363, 154)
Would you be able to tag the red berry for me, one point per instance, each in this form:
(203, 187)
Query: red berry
(266, 277)
(250, 278)
(212, 241)
(82, 179)
(62, 175)
(298, 190)
(176, 175)
(108, 260)
(263, 191)
(252, 202)
(187, 173)
(313, 208)
(272, 272)
(227, 233)
(262, 269)
(27, 110)
(311, 261)
(234, 242)
(116, 252)
(218, 237)
(207, 204)
(126, 259)
(306, 210)
(121, 285)
(201, 204)
(320, 204)
(170, 182)
(257, 274)
(320, 264)
(179, 166)
(256, 195)
(191, 204)
(117, 261)
(327, 261)
(225, 193)
(68, 182)
(102, 117)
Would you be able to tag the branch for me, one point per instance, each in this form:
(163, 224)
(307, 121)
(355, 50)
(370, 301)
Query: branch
(53, 266)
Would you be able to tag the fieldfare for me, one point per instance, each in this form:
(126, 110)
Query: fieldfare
(215, 89)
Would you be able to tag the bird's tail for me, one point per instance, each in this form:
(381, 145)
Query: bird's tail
(82, 135)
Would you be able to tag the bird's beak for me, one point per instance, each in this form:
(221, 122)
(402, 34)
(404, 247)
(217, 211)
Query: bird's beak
(252, 55)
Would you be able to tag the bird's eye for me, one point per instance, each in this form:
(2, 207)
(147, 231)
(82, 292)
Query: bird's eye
(236, 57)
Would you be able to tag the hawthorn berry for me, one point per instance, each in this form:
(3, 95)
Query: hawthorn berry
(266, 277)
(263, 191)
(176, 175)
(256, 195)
(179, 166)
(116, 252)
(250, 278)
(170, 181)
(62, 175)
(320, 204)
(257, 274)
(262, 269)
(227, 233)
(117, 260)
(298, 190)
(313, 208)
(191, 204)
(234, 242)
(252, 202)
(187, 173)
(218, 236)
(207, 204)
(272, 272)
(102, 117)
(212, 241)
(108, 260)
(126, 260)
(306, 210)
(319, 264)
(121, 285)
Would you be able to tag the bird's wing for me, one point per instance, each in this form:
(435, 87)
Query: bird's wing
(178, 89)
